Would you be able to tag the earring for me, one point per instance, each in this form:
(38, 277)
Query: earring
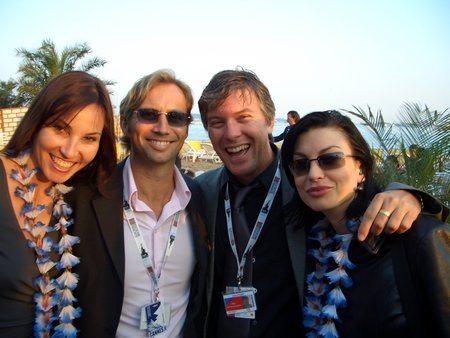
(359, 187)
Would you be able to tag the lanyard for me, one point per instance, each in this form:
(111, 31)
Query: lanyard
(142, 247)
(258, 225)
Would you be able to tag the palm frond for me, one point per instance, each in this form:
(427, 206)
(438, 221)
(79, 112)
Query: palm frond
(381, 132)
(416, 151)
(41, 65)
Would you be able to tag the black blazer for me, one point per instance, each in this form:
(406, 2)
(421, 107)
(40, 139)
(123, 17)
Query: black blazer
(424, 288)
(99, 224)
(211, 182)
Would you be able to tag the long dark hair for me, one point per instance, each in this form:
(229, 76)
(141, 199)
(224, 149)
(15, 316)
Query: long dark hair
(360, 150)
(64, 94)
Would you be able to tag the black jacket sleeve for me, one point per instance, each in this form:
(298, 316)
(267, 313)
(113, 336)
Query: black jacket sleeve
(426, 248)
(282, 135)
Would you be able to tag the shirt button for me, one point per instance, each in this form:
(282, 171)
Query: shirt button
(254, 322)
(253, 260)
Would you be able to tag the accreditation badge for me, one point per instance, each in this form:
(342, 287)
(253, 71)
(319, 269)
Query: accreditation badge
(155, 318)
(240, 302)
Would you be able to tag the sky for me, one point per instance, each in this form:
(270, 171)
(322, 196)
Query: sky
(312, 55)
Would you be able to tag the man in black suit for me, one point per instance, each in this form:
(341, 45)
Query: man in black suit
(259, 255)
(143, 241)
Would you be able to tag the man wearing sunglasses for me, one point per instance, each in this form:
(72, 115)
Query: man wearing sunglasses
(147, 251)
(267, 267)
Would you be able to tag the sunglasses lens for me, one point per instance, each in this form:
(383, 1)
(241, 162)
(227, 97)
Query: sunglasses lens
(147, 115)
(331, 161)
(300, 167)
(177, 119)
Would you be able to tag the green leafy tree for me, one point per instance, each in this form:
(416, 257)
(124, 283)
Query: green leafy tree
(415, 150)
(7, 94)
(41, 65)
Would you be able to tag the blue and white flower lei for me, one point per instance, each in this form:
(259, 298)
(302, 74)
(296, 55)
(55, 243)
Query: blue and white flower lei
(54, 300)
(324, 294)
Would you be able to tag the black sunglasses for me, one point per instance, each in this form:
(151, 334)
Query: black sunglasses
(174, 118)
(330, 161)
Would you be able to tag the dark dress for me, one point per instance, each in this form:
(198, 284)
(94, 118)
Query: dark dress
(17, 268)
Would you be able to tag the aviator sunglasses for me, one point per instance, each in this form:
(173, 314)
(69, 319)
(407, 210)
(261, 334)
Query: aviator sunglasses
(329, 161)
(174, 118)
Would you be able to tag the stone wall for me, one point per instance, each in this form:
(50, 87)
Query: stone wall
(9, 119)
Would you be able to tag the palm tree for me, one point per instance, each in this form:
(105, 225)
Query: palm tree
(415, 151)
(41, 65)
(8, 97)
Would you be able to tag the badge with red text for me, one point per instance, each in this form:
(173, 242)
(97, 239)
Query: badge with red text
(245, 315)
(240, 303)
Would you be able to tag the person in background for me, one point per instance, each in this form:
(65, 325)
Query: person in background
(57, 141)
(147, 248)
(352, 287)
(255, 239)
(292, 118)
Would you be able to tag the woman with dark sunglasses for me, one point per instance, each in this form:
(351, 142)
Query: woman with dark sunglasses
(396, 286)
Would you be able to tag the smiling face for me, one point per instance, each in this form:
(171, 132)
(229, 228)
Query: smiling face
(239, 132)
(69, 144)
(327, 190)
(158, 143)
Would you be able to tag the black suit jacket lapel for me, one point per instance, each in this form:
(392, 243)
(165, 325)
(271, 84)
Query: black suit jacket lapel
(108, 210)
(295, 235)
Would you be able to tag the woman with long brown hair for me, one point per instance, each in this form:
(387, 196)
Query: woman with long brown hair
(57, 141)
